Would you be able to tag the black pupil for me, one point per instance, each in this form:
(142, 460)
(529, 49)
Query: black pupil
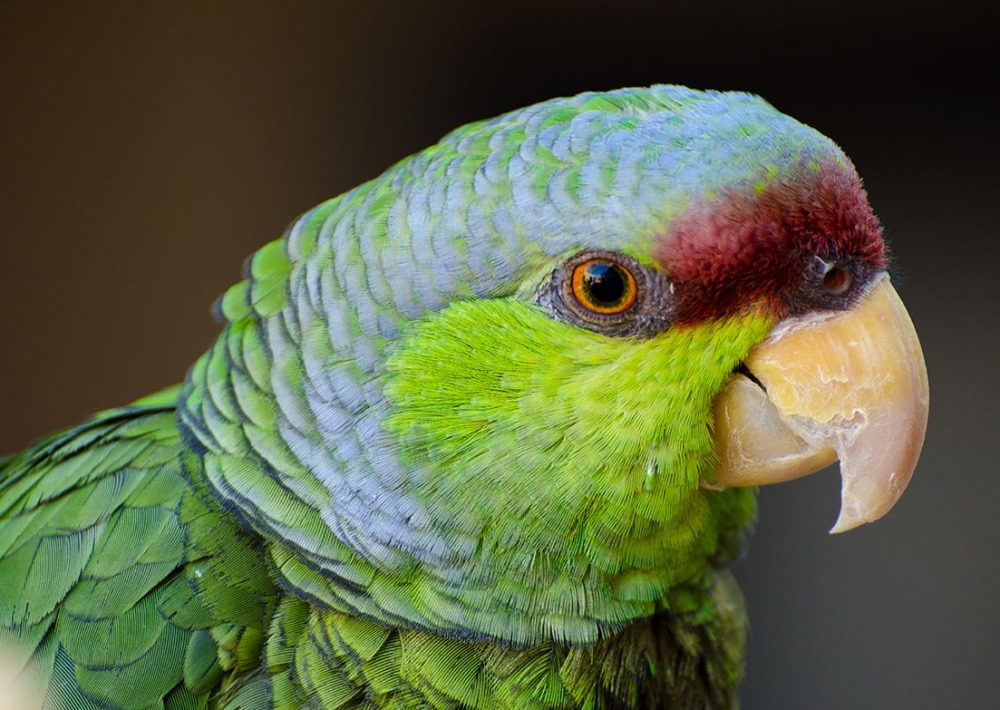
(605, 283)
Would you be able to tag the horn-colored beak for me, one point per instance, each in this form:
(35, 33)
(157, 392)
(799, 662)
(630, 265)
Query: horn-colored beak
(848, 386)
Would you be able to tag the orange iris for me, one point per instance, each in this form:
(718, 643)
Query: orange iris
(604, 286)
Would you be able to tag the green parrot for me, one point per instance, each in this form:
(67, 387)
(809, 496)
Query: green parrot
(483, 432)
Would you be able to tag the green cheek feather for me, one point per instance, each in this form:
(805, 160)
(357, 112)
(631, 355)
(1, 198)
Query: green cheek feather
(578, 458)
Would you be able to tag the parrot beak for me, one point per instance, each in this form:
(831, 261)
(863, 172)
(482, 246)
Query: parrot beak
(848, 386)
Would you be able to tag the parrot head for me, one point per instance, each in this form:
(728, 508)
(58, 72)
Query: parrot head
(523, 385)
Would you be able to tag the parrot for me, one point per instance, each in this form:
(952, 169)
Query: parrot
(483, 432)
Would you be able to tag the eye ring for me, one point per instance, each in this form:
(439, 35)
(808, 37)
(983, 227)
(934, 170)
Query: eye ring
(604, 286)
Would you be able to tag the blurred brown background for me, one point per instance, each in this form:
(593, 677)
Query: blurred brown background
(145, 151)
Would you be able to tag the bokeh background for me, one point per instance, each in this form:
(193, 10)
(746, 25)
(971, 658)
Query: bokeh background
(145, 151)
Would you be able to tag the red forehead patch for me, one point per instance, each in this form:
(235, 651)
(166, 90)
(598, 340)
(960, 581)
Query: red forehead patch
(751, 244)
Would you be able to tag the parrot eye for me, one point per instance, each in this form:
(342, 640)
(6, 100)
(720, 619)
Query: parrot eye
(604, 286)
(609, 293)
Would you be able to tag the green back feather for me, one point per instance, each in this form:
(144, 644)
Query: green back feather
(99, 591)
